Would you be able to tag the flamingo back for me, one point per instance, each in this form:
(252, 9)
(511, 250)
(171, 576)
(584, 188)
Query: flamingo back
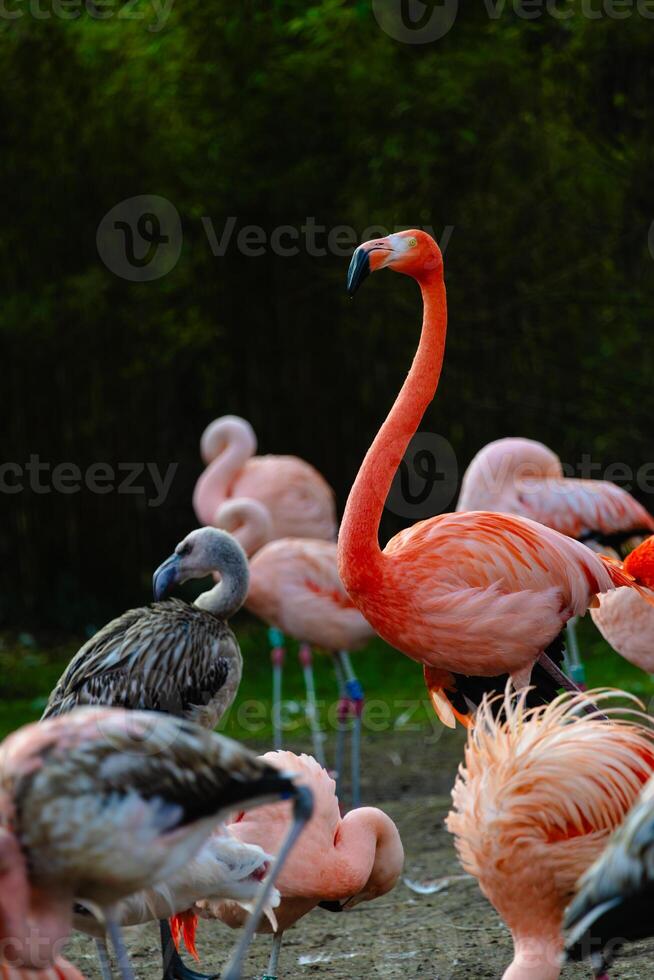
(306, 870)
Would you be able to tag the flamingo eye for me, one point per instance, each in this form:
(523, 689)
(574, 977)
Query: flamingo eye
(185, 550)
(413, 242)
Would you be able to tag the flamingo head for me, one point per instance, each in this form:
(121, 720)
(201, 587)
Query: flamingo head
(203, 551)
(415, 253)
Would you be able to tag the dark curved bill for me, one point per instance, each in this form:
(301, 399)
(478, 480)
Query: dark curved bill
(358, 271)
(165, 578)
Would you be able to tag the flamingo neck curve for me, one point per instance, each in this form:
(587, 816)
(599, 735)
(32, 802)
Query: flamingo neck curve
(237, 445)
(359, 554)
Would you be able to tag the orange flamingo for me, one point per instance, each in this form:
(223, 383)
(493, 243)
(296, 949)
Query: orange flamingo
(624, 619)
(464, 594)
(339, 862)
(299, 501)
(535, 802)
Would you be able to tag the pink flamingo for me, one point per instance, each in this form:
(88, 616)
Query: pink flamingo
(299, 500)
(624, 619)
(524, 477)
(339, 863)
(261, 499)
(60, 970)
(296, 589)
(534, 804)
(101, 803)
(464, 594)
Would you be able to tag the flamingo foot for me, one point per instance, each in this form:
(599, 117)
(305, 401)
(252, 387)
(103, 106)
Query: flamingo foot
(174, 967)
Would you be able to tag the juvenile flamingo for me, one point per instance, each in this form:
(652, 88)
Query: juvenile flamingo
(299, 500)
(339, 863)
(535, 801)
(170, 656)
(614, 899)
(464, 594)
(624, 619)
(102, 803)
(524, 477)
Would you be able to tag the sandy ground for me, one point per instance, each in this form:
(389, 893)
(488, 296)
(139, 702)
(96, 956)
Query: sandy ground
(450, 935)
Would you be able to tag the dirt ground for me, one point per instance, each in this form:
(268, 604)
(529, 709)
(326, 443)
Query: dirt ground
(453, 934)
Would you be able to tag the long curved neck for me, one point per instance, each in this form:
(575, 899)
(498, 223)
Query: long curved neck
(368, 853)
(227, 597)
(358, 546)
(214, 484)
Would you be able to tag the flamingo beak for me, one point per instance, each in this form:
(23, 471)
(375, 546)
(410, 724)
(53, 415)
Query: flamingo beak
(166, 577)
(358, 271)
(361, 264)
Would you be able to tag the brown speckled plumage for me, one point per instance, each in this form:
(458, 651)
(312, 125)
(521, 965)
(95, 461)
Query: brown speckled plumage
(102, 799)
(169, 656)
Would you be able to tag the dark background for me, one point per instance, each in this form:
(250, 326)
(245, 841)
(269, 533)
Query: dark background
(533, 139)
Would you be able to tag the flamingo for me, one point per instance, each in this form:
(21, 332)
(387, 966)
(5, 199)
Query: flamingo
(623, 619)
(224, 868)
(524, 477)
(101, 803)
(169, 656)
(613, 902)
(339, 863)
(535, 801)
(60, 970)
(261, 499)
(473, 593)
(299, 500)
(295, 588)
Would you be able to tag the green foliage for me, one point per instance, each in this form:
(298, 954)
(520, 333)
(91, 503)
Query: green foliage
(534, 139)
(396, 699)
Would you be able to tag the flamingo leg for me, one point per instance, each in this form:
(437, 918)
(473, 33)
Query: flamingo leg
(274, 957)
(311, 709)
(116, 937)
(302, 810)
(343, 712)
(356, 698)
(174, 966)
(277, 656)
(574, 663)
(103, 959)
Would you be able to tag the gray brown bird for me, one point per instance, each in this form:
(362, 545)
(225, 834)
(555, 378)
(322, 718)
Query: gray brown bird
(103, 803)
(614, 898)
(170, 656)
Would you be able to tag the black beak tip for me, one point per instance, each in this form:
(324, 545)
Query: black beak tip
(358, 271)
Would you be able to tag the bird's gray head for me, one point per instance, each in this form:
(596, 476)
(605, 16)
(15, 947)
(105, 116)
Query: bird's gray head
(203, 552)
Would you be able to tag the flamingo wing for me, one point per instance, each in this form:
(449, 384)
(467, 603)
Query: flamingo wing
(583, 508)
(169, 656)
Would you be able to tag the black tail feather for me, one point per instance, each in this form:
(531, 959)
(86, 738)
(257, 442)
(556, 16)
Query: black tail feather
(471, 690)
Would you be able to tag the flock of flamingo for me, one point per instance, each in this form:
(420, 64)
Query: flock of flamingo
(122, 805)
